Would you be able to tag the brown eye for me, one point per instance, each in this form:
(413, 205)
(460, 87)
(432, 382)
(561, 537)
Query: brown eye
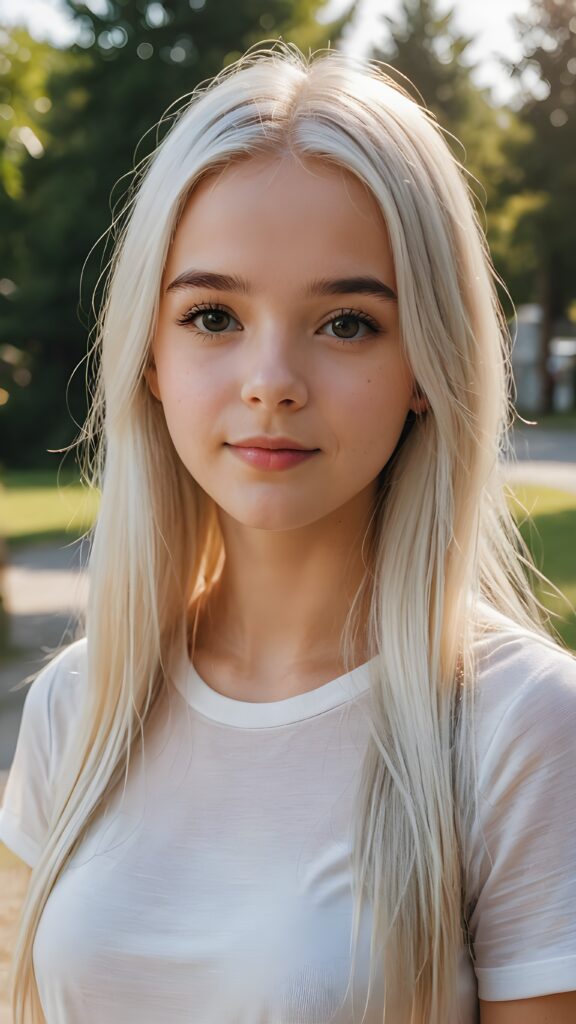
(211, 318)
(348, 320)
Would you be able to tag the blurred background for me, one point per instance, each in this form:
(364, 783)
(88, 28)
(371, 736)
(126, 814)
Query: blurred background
(82, 87)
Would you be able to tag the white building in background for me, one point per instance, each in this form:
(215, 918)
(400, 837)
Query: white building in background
(562, 365)
(525, 331)
(525, 363)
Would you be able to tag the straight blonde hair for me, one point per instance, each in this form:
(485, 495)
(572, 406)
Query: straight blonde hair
(442, 539)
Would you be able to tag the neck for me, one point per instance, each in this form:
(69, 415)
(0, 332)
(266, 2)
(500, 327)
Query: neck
(283, 596)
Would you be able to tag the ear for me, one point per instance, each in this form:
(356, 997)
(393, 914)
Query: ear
(419, 403)
(151, 375)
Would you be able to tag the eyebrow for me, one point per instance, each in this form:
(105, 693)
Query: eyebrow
(360, 285)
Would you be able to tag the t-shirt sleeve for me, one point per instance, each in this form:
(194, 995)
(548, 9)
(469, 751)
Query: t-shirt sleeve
(523, 926)
(25, 810)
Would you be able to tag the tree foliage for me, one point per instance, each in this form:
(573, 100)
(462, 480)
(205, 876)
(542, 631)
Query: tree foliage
(426, 48)
(540, 234)
(75, 122)
(24, 105)
(546, 155)
(425, 45)
(107, 93)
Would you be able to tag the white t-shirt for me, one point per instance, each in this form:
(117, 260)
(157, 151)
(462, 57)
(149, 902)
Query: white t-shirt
(218, 890)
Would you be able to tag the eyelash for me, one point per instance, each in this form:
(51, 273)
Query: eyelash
(207, 307)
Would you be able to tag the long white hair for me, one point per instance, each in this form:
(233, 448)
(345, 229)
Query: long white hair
(442, 542)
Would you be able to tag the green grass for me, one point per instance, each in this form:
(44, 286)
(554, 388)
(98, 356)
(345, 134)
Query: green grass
(550, 532)
(551, 420)
(33, 508)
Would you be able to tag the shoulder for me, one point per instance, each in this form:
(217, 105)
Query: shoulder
(54, 693)
(525, 687)
(63, 672)
(46, 727)
(520, 878)
(510, 657)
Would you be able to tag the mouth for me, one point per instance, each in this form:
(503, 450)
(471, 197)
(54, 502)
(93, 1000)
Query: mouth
(269, 448)
(272, 458)
(272, 442)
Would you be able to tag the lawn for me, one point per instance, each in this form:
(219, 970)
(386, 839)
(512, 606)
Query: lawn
(549, 529)
(550, 420)
(34, 508)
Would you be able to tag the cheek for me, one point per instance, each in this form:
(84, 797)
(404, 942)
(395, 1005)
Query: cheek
(187, 395)
(376, 409)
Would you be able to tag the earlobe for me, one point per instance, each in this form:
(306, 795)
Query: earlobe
(419, 403)
(151, 376)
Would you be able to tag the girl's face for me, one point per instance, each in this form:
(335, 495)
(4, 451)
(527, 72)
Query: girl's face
(281, 349)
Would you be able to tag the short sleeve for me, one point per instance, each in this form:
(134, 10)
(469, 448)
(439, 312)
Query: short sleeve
(25, 810)
(523, 925)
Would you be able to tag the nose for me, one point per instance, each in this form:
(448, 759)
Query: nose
(273, 377)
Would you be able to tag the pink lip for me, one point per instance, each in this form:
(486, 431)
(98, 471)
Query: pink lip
(271, 441)
(269, 458)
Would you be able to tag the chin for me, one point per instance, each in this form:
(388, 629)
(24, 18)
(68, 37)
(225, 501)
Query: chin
(277, 519)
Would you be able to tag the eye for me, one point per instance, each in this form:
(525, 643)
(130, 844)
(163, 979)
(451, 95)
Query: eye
(212, 315)
(352, 315)
(211, 312)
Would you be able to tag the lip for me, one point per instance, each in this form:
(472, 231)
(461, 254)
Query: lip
(273, 443)
(272, 458)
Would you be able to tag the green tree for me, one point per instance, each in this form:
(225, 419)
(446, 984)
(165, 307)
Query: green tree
(134, 60)
(24, 66)
(426, 46)
(545, 159)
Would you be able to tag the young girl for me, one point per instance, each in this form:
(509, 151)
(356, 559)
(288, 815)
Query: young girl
(314, 760)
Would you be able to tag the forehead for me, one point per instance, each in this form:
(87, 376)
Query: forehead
(282, 212)
(309, 178)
